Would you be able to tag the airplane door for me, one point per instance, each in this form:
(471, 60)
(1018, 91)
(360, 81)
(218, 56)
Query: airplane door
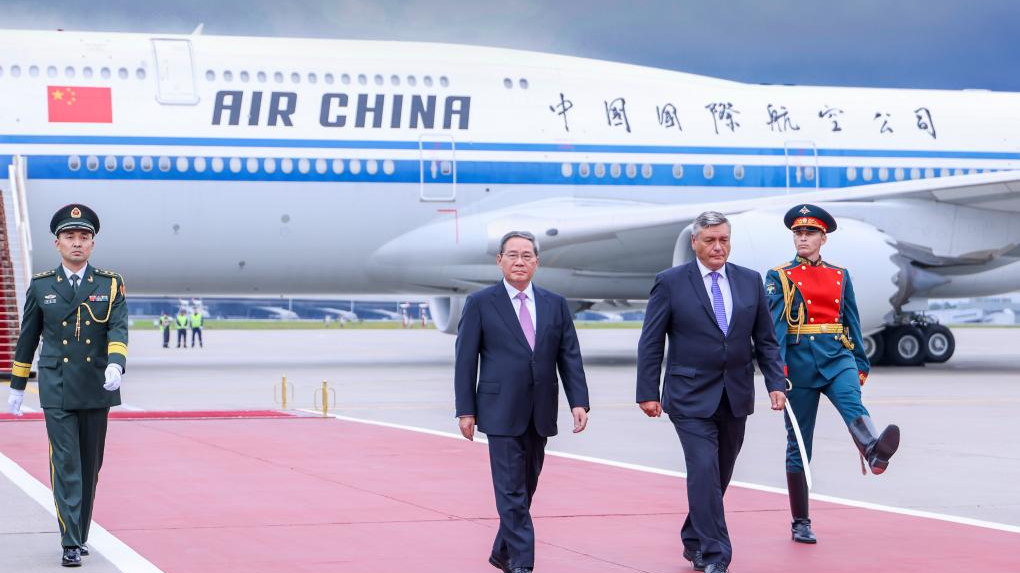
(175, 76)
(801, 165)
(438, 167)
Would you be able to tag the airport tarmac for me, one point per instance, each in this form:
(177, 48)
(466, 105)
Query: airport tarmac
(960, 455)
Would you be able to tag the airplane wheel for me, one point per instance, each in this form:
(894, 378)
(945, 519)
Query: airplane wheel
(874, 348)
(904, 346)
(939, 343)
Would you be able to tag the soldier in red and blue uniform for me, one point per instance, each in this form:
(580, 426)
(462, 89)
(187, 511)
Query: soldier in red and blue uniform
(820, 340)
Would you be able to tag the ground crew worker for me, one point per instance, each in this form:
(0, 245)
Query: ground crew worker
(79, 311)
(196, 327)
(164, 326)
(181, 324)
(819, 332)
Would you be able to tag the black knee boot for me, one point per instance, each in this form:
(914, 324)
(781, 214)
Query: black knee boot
(796, 484)
(876, 449)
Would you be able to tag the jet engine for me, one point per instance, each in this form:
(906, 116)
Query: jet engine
(445, 311)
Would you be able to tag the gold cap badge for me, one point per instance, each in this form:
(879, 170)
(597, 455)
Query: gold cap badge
(76, 212)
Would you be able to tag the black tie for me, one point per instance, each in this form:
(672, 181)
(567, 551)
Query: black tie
(74, 283)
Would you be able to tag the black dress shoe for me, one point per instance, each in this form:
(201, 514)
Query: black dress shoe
(696, 558)
(71, 558)
(83, 550)
(716, 568)
(800, 531)
(499, 563)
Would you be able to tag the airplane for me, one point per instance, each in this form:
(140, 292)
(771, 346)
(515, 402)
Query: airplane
(246, 166)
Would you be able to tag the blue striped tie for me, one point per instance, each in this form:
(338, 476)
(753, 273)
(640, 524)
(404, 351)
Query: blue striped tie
(717, 303)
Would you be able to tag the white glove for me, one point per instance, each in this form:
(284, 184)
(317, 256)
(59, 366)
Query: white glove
(14, 401)
(112, 378)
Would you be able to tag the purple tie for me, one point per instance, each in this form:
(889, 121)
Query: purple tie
(525, 317)
(717, 303)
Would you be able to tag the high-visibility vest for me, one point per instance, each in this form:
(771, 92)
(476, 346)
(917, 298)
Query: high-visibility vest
(196, 320)
(182, 321)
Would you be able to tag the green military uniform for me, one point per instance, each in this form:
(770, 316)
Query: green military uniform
(82, 331)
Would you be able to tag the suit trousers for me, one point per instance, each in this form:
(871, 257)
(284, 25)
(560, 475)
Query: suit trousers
(710, 448)
(516, 463)
(77, 441)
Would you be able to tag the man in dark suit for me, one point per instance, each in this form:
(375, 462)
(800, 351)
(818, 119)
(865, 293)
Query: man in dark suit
(711, 311)
(523, 334)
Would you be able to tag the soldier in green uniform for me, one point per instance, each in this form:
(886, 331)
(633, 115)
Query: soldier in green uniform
(80, 312)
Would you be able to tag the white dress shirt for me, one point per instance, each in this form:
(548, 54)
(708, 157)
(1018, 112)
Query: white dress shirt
(530, 291)
(81, 274)
(724, 286)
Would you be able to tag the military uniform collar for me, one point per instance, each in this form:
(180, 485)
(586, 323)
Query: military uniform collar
(802, 261)
(84, 272)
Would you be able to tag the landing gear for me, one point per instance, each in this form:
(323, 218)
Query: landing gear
(912, 343)
(939, 343)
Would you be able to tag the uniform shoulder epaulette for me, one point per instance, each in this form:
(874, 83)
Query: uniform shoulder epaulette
(43, 274)
(106, 273)
(784, 266)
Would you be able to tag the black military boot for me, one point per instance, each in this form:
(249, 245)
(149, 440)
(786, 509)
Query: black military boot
(796, 484)
(876, 449)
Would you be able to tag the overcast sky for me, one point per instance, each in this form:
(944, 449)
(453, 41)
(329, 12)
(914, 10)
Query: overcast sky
(948, 44)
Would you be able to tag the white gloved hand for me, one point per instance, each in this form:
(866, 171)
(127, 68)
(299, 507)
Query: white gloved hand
(112, 378)
(14, 401)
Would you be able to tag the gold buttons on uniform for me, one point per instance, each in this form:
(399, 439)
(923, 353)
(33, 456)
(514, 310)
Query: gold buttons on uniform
(803, 268)
(837, 301)
(811, 319)
(88, 359)
(66, 359)
(87, 322)
(65, 323)
(800, 284)
(809, 302)
(837, 283)
(65, 341)
(836, 337)
(88, 341)
(812, 338)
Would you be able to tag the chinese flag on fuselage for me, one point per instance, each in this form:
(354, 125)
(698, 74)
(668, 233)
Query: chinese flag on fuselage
(79, 105)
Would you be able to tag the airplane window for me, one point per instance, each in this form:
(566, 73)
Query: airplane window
(346, 79)
(252, 165)
(182, 164)
(199, 164)
(631, 170)
(210, 75)
(614, 170)
(567, 169)
(372, 166)
(110, 163)
(85, 73)
(678, 171)
(898, 174)
(395, 80)
(320, 166)
(105, 73)
(338, 166)
(809, 173)
(15, 71)
(867, 173)
(508, 83)
(708, 171)
(51, 71)
(523, 83)
(957, 171)
(446, 167)
(33, 71)
(915, 173)
(600, 170)
(92, 163)
(388, 167)
(428, 81)
(445, 82)
(355, 166)
(269, 165)
(303, 165)
(261, 77)
(362, 79)
(295, 78)
(217, 164)
(583, 169)
(228, 76)
(738, 172)
(245, 76)
(235, 164)
(278, 77)
(312, 78)
(977, 170)
(943, 172)
(328, 78)
(140, 73)
(883, 173)
(128, 163)
(74, 163)
(851, 174)
(164, 163)
(378, 79)
(646, 171)
(146, 163)
(286, 165)
(411, 80)
(122, 73)
(69, 72)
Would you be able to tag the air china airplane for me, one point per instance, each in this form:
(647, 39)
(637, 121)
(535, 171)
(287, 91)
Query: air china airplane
(232, 165)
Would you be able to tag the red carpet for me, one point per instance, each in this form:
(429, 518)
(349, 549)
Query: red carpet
(273, 495)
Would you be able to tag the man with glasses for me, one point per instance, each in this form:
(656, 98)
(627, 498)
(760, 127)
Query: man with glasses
(512, 339)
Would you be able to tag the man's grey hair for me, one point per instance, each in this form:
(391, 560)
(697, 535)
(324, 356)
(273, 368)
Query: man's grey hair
(519, 234)
(708, 219)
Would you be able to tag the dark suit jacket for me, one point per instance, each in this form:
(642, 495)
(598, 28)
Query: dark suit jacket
(702, 362)
(516, 384)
